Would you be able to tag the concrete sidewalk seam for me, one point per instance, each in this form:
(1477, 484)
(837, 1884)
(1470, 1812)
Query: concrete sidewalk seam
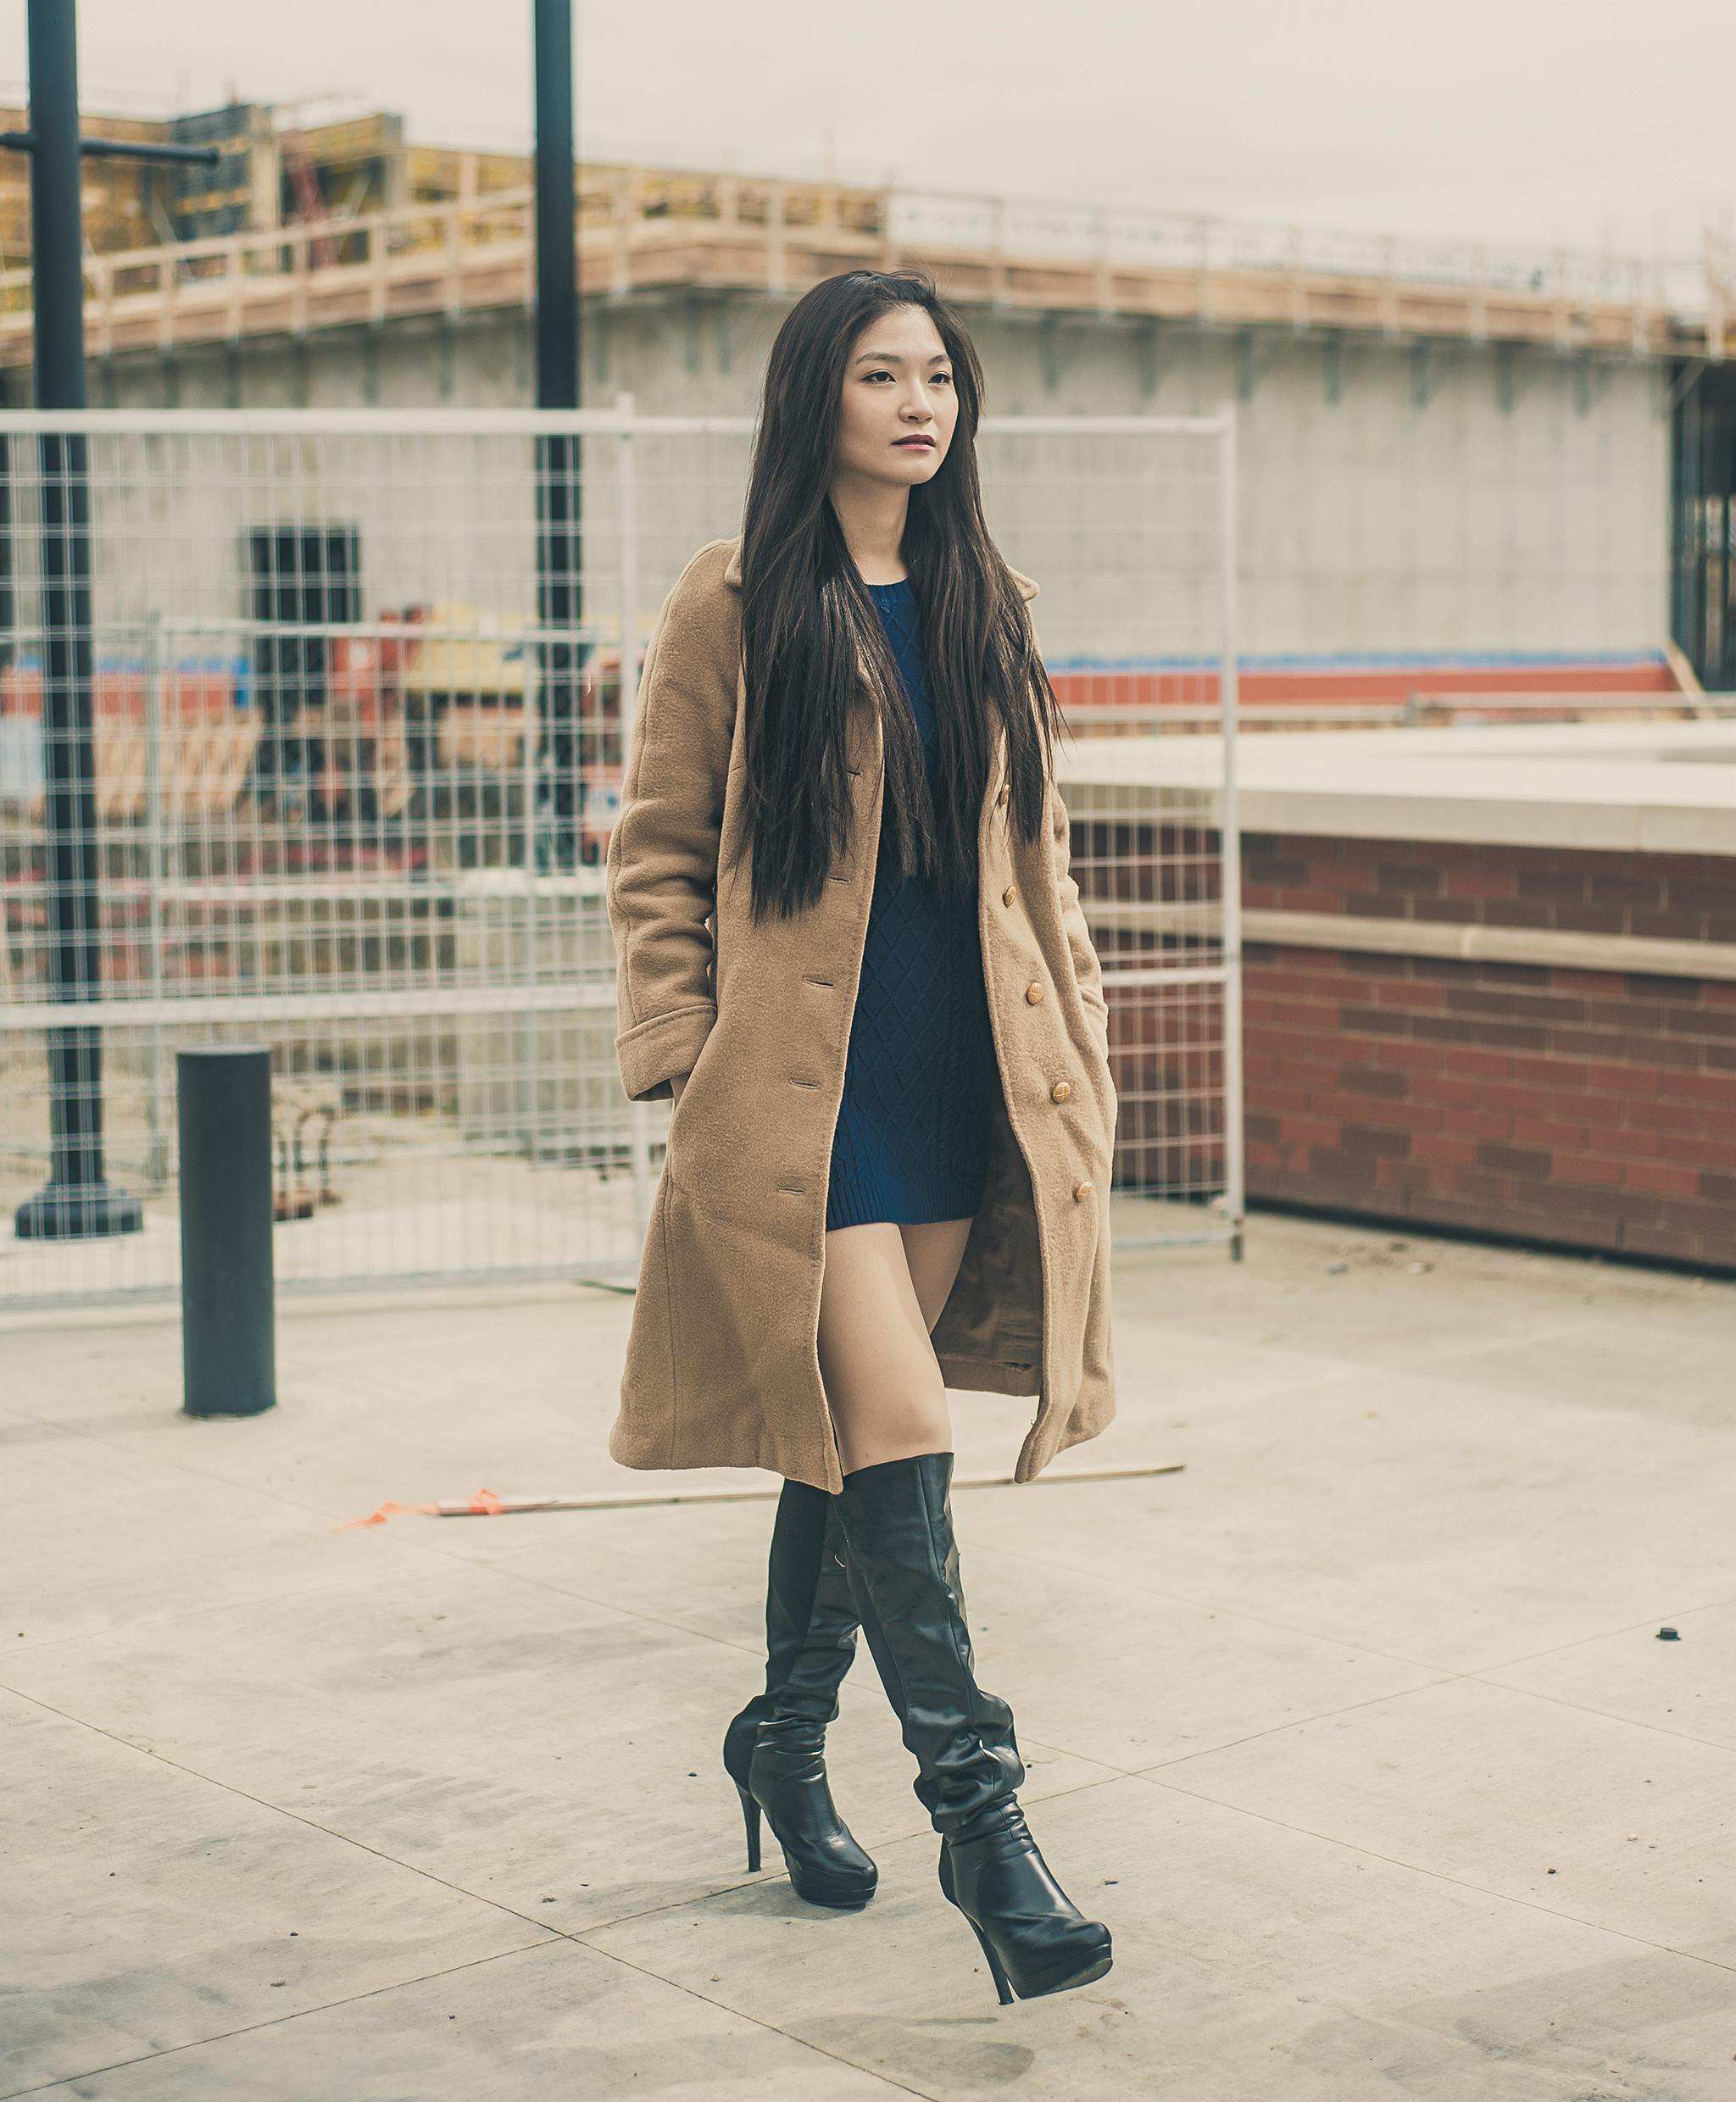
(277, 2022)
(1436, 1875)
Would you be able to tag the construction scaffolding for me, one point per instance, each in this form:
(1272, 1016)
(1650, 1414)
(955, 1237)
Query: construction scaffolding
(303, 228)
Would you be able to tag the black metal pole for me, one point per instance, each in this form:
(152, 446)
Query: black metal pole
(228, 1307)
(559, 590)
(76, 1201)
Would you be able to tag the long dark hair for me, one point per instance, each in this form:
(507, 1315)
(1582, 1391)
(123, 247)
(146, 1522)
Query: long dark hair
(806, 615)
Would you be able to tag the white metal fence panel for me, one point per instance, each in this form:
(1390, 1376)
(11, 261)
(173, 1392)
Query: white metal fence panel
(357, 690)
(1129, 525)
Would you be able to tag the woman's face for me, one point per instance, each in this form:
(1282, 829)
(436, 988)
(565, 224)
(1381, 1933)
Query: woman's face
(897, 390)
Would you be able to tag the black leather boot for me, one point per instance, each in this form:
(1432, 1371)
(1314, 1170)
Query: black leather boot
(775, 1749)
(903, 1566)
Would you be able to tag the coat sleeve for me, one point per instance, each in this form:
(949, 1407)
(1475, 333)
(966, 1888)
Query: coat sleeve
(1087, 970)
(660, 880)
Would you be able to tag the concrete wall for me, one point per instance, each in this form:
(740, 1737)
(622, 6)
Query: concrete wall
(1446, 500)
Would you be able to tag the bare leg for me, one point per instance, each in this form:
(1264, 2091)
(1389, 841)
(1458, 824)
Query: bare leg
(882, 1292)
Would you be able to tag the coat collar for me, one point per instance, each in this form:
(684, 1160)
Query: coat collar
(1028, 587)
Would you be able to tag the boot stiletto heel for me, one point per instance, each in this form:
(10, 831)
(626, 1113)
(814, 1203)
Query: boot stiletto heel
(750, 1818)
(1001, 1986)
(775, 1749)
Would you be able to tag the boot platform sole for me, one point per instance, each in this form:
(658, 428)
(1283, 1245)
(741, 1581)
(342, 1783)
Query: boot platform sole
(1040, 1984)
(840, 1895)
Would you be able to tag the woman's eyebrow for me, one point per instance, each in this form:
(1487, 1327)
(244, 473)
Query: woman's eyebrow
(893, 358)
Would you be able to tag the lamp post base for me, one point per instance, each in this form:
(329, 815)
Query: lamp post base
(68, 1211)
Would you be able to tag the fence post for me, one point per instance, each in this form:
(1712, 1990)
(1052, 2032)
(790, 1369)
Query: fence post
(628, 703)
(229, 1351)
(1230, 837)
(158, 1166)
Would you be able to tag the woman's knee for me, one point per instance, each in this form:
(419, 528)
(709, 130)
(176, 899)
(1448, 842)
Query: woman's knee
(889, 1426)
(883, 1382)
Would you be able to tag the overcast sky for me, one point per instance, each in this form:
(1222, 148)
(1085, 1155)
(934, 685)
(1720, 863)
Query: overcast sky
(1584, 121)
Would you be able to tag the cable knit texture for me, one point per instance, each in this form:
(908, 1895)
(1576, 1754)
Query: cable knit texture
(913, 1128)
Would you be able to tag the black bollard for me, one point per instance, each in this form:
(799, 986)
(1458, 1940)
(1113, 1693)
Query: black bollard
(229, 1345)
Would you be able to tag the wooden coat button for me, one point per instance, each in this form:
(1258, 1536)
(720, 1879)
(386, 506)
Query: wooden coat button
(1081, 1192)
(1033, 992)
(1060, 1091)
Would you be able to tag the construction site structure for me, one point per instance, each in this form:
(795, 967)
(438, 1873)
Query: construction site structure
(1409, 404)
(296, 230)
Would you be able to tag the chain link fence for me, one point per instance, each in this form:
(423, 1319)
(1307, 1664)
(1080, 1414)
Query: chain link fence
(312, 727)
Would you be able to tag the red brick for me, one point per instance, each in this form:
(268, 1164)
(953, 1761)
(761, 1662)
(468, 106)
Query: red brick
(1623, 1143)
(1547, 1131)
(1482, 1124)
(1686, 1021)
(1366, 1139)
(1583, 1168)
(1528, 1161)
(1532, 1102)
(1626, 890)
(1588, 919)
(1409, 992)
(1560, 1075)
(1403, 1051)
(1668, 927)
(1697, 1149)
(1445, 1147)
(1482, 1030)
(1488, 1064)
(1306, 898)
(1594, 984)
(1370, 1021)
(1304, 1131)
(1479, 884)
(1297, 1101)
(1418, 878)
(1565, 885)
(1375, 905)
(1621, 1080)
(1512, 913)
(1718, 1088)
(1440, 1087)
(1374, 1080)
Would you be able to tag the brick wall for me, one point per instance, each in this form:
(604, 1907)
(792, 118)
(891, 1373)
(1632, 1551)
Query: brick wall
(1593, 1109)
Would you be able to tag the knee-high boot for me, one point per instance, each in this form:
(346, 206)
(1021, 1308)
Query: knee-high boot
(904, 1564)
(775, 1749)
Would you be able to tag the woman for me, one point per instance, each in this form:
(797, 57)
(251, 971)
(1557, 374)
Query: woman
(850, 951)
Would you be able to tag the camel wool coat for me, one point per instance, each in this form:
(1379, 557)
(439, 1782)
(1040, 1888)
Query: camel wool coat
(722, 1366)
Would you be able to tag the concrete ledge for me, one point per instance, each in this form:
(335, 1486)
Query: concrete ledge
(1556, 948)
(1621, 787)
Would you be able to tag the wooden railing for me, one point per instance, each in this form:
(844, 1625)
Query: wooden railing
(639, 227)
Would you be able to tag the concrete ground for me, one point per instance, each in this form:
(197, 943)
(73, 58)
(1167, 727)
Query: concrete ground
(1357, 1731)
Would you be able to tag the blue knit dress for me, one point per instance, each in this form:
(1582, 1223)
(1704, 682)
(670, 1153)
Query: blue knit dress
(913, 1127)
